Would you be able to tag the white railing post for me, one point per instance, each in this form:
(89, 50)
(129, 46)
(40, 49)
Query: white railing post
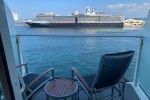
(22, 70)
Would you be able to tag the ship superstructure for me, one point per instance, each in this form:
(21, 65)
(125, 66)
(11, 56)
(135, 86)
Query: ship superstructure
(88, 19)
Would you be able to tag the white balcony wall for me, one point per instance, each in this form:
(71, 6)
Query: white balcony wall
(8, 34)
(12, 30)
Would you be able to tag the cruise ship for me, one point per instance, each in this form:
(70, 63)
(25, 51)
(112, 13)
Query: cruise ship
(88, 19)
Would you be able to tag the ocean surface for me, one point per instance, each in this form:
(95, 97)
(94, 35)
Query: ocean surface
(63, 48)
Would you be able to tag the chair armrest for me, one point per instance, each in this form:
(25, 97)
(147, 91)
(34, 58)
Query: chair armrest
(81, 79)
(25, 64)
(39, 77)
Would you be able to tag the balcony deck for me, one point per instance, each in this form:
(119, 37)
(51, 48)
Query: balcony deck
(129, 95)
(129, 91)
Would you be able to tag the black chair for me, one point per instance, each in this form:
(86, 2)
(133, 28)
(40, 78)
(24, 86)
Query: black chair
(110, 71)
(31, 83)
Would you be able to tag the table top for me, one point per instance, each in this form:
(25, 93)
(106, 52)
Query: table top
(61, 88)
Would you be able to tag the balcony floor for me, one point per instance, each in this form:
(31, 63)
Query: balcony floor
(129, 95)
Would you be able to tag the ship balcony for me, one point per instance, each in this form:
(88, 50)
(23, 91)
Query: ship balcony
(133, 88)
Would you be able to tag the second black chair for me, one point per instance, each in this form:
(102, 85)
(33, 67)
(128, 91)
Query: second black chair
(110, 71)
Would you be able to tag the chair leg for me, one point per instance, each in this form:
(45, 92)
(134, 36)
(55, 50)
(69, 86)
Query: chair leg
(123, 90)
(95, 95)
(74, 97)
(112, 93)
(90, 97)
(120, 90)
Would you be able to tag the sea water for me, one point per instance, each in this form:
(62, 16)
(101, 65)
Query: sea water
(63, 48)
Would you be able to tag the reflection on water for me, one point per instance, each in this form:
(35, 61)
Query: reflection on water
(66, 31)
(133, 28)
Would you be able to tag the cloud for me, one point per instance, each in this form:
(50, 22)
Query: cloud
(129, 10)
(128, 6)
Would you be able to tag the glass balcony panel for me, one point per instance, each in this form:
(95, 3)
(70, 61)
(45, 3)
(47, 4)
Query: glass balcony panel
(83, 53)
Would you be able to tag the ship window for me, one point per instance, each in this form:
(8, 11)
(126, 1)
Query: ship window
(131, 22)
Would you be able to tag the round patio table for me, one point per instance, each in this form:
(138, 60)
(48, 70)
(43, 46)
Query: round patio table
(61, 89)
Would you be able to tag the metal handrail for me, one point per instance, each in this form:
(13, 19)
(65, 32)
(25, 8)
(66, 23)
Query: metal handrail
(138, 35)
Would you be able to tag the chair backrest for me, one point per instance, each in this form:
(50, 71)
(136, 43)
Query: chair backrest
(111, 69)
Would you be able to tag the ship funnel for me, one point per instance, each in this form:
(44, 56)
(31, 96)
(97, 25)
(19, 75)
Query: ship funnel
(93, 11)
(76, 12)
(88, 11)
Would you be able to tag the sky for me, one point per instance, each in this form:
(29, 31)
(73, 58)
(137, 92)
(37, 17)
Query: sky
(28, 9)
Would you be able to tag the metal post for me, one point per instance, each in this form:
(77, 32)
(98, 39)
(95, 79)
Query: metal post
(138, 62)
(112, 93)
(18, 47)
(22, 70)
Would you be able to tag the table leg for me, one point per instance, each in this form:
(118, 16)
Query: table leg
(78, 93)
(47, 97)
(75, 96)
